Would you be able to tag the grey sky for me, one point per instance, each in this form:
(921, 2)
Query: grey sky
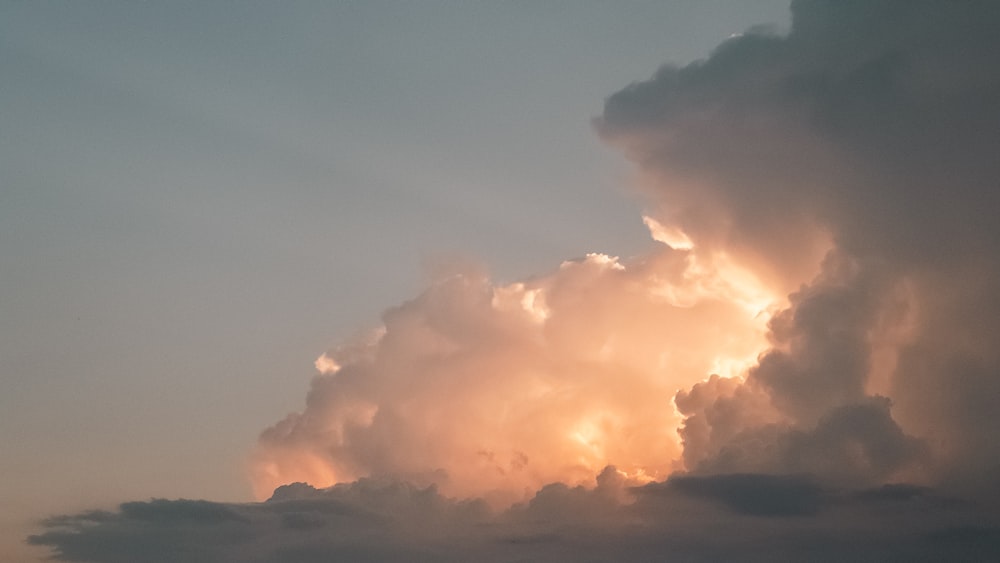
(196, 199)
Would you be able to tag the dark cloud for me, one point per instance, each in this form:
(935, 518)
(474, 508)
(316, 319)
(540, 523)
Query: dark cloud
(756, 494)
(687, 518)
(868, 133)
(870, 118)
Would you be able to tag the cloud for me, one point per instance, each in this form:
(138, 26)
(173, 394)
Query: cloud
(493, 390)
(755, 494)
(866, 135)
(806, 368)
(709, 518)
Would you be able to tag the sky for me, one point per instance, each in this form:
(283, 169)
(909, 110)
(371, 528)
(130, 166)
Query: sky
(449, 281)
(197, 199)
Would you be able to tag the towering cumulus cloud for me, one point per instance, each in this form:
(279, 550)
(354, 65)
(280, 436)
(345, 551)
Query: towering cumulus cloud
(872, 126)
(807, 367)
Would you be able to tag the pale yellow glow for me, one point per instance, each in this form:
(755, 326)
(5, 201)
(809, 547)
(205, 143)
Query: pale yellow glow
(292, 466)
(533, 303)
(327, 365)
(671, 236)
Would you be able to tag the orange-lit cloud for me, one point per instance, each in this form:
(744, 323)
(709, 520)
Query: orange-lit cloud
(824, 251)
(494, 391)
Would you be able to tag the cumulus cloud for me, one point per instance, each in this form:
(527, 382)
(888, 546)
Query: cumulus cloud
(807, 367)
(496, 390)
(868, 134)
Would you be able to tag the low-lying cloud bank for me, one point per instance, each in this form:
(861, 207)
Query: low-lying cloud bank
(808, 367)
(738, 517)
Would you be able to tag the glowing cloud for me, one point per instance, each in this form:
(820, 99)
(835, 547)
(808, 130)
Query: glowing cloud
(796, 185)
(494, 391)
